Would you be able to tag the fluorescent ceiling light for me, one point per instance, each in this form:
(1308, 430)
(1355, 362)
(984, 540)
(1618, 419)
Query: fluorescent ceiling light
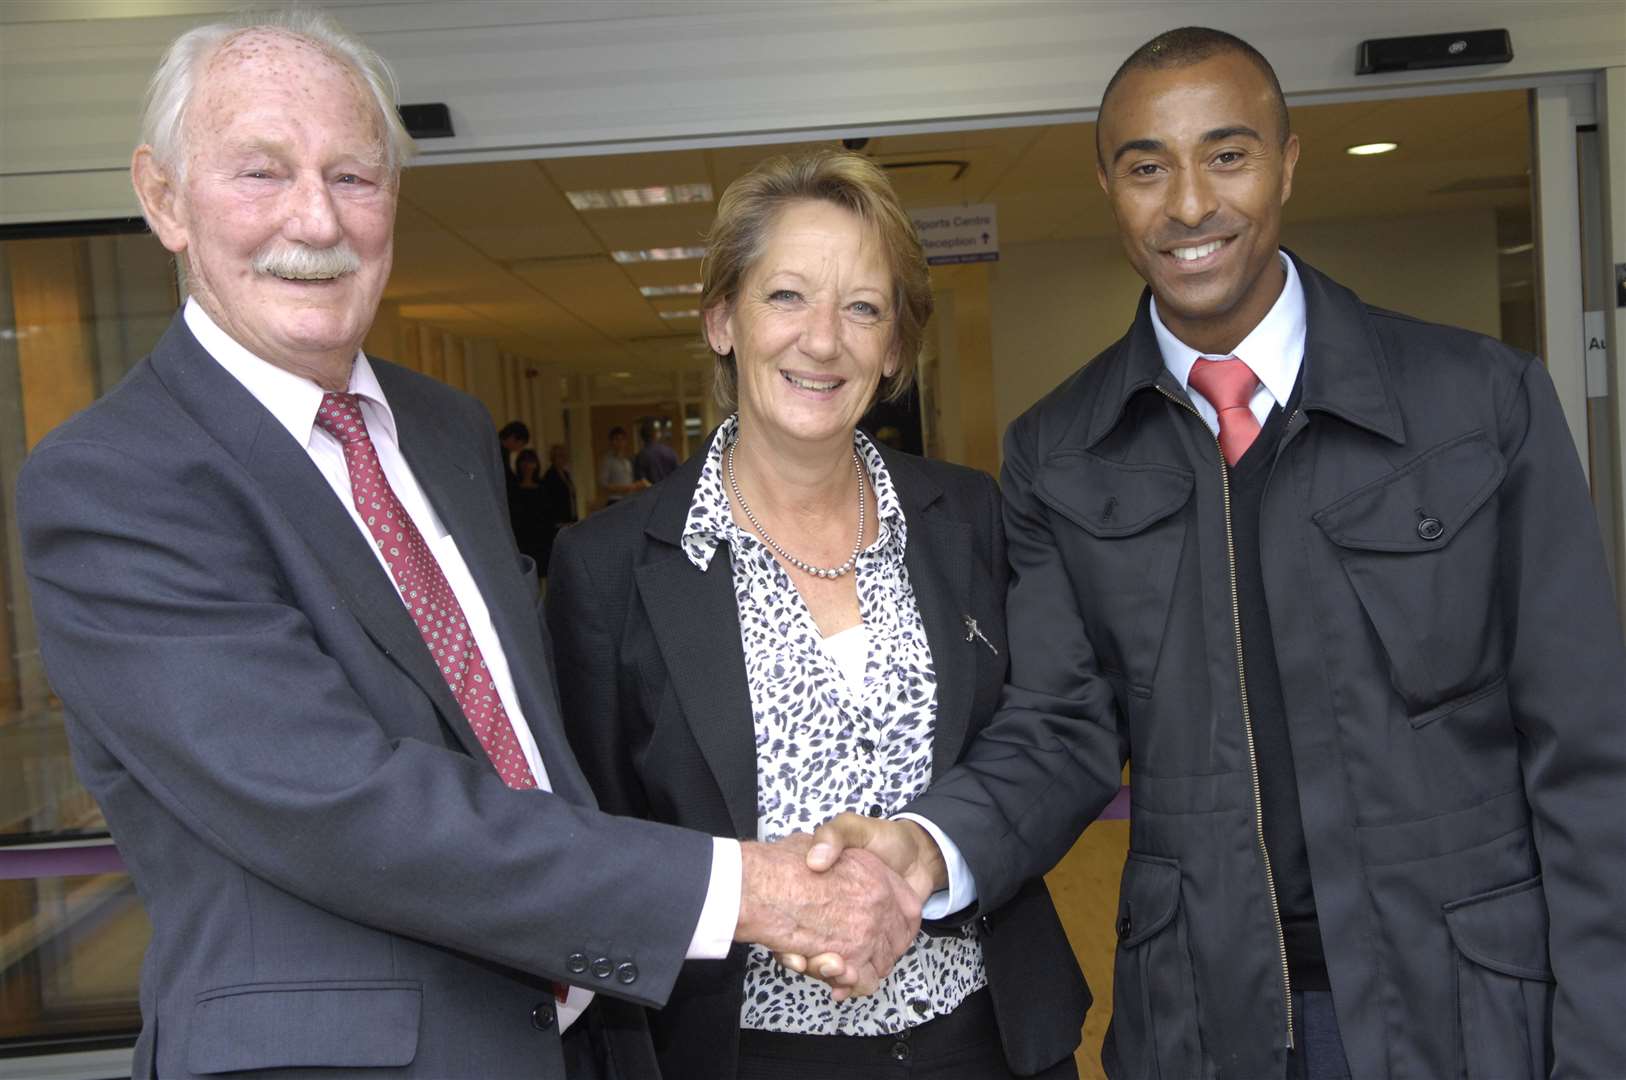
(1368, 149)
(691, 289)
(658, 254)
(691, 313)
(659, 195)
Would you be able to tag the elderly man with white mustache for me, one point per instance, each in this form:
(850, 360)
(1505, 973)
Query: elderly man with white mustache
(277, 593)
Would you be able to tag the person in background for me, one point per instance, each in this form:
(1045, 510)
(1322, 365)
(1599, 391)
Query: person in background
(527, 510)
(301, 659)
(558, 496)
(513, 437)
(1332, 579)
(615, 476)
(800, 622)
(656, 460)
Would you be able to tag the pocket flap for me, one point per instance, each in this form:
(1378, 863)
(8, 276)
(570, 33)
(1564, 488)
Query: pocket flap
(1107, 498)
(1147, 899)
(328, 1024)
(1504, 930)
(1422, 505)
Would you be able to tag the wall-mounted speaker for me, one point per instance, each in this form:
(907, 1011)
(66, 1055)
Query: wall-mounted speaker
(433, 121)
(1434, 51)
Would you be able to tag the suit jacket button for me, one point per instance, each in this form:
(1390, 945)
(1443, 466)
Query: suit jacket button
(543, 1016)
(626, 973)
(1430, 528)
(602, 967)
(576, 963)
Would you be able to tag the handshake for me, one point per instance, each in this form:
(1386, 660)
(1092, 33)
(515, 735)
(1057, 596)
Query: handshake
(842, 904)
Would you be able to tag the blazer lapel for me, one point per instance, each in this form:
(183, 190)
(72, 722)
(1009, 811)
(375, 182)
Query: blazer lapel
(696, 626)
(284, 471)
(938, 558)
(451, 482)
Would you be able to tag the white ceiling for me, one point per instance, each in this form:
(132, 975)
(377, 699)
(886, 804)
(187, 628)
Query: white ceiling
(496, 251)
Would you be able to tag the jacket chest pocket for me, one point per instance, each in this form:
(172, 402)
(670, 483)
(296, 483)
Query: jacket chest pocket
(1121, 537)
(1419, 548)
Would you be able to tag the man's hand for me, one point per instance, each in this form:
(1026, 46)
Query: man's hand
(903, 845)
(857, 914)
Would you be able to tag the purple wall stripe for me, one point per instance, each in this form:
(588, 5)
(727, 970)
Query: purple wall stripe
(1118, 808)
(60, 862)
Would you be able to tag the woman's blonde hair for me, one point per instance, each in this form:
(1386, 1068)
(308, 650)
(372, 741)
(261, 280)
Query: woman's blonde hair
(746, 214)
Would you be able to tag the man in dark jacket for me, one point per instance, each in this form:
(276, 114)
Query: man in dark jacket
(1331, 577)
(656, 460)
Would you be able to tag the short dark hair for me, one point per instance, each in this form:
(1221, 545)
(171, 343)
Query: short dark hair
(515, 429)
(646, 429)
(1182, 47)
(618, 430)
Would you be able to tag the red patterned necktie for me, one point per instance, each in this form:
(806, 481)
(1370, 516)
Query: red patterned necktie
(424, 588)
(1229, 386)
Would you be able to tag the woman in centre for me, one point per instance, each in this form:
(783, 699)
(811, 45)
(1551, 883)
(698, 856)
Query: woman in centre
(797, 623)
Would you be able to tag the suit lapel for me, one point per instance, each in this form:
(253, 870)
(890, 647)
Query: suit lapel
(451, 482)
(231, 415)
(697, 628)
(938, 558)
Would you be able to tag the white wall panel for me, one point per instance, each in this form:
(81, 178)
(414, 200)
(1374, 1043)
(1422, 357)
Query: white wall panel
(546, 79)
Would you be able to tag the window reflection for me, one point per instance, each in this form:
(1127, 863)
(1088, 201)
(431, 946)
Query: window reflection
(79, 305)
(70, 954)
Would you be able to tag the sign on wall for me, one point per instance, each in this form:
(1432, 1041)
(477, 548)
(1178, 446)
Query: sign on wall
(958, 234)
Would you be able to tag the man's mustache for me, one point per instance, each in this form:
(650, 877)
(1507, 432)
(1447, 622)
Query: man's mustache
(302, 262)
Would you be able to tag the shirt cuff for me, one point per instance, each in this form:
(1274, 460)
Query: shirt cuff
(720, 914)
(962, 888)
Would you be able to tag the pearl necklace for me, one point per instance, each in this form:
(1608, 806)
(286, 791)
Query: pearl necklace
(806, 568)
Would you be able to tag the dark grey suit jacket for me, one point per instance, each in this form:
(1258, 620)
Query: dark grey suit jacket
(653, 678)
(336, 875)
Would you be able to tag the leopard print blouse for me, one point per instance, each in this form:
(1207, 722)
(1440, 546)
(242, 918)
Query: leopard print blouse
(821, 749)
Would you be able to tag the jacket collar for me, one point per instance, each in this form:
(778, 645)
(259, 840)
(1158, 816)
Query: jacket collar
(1345, 372)
(915, 487)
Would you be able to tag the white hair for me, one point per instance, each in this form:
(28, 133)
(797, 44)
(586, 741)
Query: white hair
(163, 118)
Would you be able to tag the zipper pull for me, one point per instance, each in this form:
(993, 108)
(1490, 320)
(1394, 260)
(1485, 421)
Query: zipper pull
(974, 633)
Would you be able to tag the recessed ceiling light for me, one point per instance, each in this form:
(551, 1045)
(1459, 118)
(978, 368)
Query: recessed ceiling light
(1370, 148)
(690, 313)
(691, 289)
(658, 254)
(658, 195)
(620, 374)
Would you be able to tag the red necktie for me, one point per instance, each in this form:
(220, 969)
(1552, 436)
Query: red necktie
(1229, 385)
(428, 595)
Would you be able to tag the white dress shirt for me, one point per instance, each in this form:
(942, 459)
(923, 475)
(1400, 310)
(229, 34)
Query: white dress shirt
(294, 401)
(1275, 351)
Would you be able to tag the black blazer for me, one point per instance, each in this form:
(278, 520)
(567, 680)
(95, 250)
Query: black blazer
(653, 684)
